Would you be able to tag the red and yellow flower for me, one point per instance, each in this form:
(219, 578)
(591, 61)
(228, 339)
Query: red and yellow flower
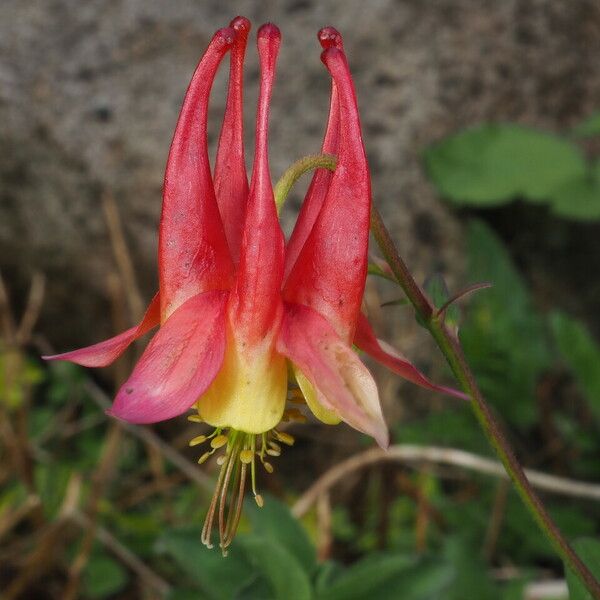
(241, 313)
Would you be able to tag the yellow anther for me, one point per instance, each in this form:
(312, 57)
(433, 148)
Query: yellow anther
(219, 441)
(197, 440)
(273, 452)
(195, 419)
(284, 437)
(268, 467)
(246, 456)
(274, 445)
(204, 457)
(259, 500)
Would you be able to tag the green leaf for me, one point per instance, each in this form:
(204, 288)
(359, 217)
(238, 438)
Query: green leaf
(366, 578)
(578, 198)
(588, 550)
(503, 336)
(24, 375)
(284, 574)
(437, 290)
(182, 594)
(582, 355)
(375, 269)
(455, 427)
(275, 521)
(589, 127)
(51, 482)
(219, 578)
(103, 576)
(492, 164)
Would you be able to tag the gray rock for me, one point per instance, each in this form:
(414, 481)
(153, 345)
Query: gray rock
(90, 92)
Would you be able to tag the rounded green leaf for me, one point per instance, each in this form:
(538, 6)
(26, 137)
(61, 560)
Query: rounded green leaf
(492, 164)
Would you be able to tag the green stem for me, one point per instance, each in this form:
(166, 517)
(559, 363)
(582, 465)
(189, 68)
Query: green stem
(450, 347)
(305, 164)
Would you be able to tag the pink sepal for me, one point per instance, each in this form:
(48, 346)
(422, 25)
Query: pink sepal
(390, 357)
(178, 365)
(106, 352)
(342, 381)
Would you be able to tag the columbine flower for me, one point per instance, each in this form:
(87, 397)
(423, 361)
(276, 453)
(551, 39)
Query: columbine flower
(240, 314)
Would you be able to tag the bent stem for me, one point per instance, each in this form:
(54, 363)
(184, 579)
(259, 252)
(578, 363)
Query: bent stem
(295, 171)
(450, 347)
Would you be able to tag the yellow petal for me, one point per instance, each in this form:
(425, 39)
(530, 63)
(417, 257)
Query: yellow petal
(249, 391)
(323, 414)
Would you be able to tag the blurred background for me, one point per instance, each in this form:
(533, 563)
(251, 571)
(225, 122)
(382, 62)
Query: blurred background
(481, 129)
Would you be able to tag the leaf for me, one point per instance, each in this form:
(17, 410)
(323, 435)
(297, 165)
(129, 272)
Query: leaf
(367, 577)
(578, 198)
(18, 375)
(455, 574)
(437, 290)
(206, 568)
(588, 550)
(589, 127)
(381, 270)
(103, 576)
(397, 302)
(503, 336)
(582, 355)
(278, 566)
(275, 521)
(455, 427)
(492, 164)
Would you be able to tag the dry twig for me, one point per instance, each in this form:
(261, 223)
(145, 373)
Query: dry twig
(430, 454)
(136, 564)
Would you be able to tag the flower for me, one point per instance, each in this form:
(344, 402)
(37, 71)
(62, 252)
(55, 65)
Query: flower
(240, 313)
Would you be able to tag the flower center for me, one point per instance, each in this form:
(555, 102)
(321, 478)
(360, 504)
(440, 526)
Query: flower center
(238, 453)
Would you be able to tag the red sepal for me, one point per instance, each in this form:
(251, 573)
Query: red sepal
(330, 272)
(231, 181)
(193, 255)
(382, 352)
(256, 298)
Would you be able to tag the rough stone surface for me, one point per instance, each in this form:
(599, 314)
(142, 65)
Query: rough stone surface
(90, 92)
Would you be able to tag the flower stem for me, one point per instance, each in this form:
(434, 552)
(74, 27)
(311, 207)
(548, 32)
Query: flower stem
(450, 347)
(295, 171)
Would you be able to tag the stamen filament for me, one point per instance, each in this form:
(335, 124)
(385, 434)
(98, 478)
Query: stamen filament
(301, 166)
(239, 456)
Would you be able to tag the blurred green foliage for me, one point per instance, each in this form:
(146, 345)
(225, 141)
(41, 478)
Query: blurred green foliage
(511, 345)
(493, 164)
(415, 534)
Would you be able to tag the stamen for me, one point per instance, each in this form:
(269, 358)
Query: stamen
(246, 456)
(284, 437)
(204, 457)
(239, 457)
(210, 516)
(232, 528)
(219, 441)
(200, 439)
(228, 466)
